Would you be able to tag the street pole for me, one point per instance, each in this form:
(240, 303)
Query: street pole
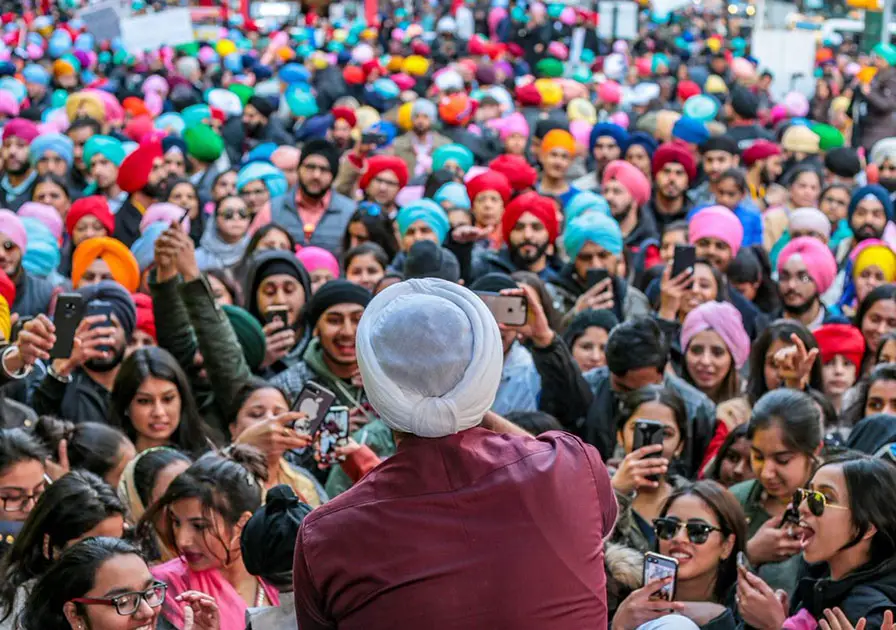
(886, 17)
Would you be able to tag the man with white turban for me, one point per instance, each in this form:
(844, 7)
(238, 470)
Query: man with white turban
(453, 530)
(417, 145)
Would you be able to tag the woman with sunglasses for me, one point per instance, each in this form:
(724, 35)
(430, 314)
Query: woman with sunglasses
(785, 433)
(848, 535)
(224, 242)
(79, 505)
(640, 482)
(105, 584)
(703, 527)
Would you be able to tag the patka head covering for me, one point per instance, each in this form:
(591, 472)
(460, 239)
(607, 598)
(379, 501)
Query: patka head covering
(820, 263)
(726, 321)
(431, 356)
(842, 339)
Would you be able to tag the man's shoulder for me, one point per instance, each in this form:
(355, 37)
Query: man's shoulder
(341, 203)
(293, 378)
(692, 396)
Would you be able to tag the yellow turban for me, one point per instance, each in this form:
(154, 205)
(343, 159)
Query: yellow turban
(415, 65)
(85, 104)
(715, 85)
(879, 256)
(395, 63)
(551, 92)
(404, 116)
(119, 258)
(558, 139)
(5, 324)
(581, 109)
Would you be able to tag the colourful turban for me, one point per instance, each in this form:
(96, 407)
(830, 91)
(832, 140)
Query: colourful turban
(455, 194)
(314, 258)
(425, 210)
(675, 153)
(9, 106)
(135, 169)
(871, 190)
(558, 139)
(724, 319)
(166, 213)
(286, 158)
(119, 258)
(828, 137)
(56, 143)
(631, 178)
(542, 208)
(515, 123)
(48, 215)
(380, 163)
(819, 261)
(456, 110)
(107, 146)
(43, 255)
(584, 202)
(717, 222)
(811, 220)
(85, 104)
(842, 339)
(596, 228)
(456, 153)
(94, 205)
(203, 143)
(800, 139)
(759, 150)
(489, 180)
(272, 177)
(517, 171)
(879, 256)
(610, 130)
(11, 225)
(21, 128)
(146, 320)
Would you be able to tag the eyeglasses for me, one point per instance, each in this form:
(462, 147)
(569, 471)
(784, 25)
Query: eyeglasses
(386, 182)
(19, 502)
(698, 533)
(815, 500)
(230, 215)
(127, 604)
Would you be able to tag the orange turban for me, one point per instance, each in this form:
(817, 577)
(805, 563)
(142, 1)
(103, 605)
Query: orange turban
(121, 261)
(558, 139)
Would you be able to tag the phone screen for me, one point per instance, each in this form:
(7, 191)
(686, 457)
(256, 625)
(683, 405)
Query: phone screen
(333, 430)
(594, 276)
(657, 567)
(277, 314)
(685, 257)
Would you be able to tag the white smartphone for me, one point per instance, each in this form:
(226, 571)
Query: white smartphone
(657, 567)
(510, 310)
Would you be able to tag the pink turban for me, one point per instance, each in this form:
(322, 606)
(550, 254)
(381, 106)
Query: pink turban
(286, 158)
(166, 212)
(818, 259)
(631, 177)
(581, 131)
(12, 226)
(716, 222)
(314, 258)
(724, 319)
(48, 215)
(609, 92)
(514, 123)
(9, 106)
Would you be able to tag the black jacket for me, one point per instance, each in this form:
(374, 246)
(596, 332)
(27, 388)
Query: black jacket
(127, 223)
(867, 592)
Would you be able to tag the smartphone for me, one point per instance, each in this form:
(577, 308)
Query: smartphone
(373, 137)
(791, 517)
(333, 432)
(67, 317)
(742, 561)
(314, 401)
(101, 307)
(685, 257)
(648, 433)
(277, 313)
(657, 567)
(596, 275)
(511, 310)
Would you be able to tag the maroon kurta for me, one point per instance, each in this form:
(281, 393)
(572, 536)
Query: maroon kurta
(473, 530)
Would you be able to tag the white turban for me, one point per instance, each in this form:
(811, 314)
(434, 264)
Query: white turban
(430, 354)
(811, 220)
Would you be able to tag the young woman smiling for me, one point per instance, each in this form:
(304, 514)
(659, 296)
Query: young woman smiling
(704, 528)
(848, 537)
(785, 441)
(876, 393)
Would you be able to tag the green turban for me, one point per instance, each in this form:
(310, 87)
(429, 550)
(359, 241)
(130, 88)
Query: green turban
(203, 143)
(828, 137)
(887, 52)
(550, 68)
(107, 146)
(243, 91)
(452, 153)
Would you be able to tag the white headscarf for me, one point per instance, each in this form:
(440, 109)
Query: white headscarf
(430, 354)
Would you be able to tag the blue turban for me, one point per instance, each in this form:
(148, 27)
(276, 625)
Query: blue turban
(425, 210)
(58, 143)
(584, 202)
(690, 130)
(455, 194)
(613, 130)
(42, 256)
(144, 247)
(262, 152)
(107, 146)
(173, 142)
(34, 73)
(452, 152)
(643, 139)
(593, 227)
(314, 128)
(272, 177)
(875, 190)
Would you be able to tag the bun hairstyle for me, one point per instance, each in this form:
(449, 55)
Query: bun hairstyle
(229, 482)
(92, 446)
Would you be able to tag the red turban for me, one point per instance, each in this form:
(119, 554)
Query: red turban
(528, 96)
(138, 127)
(7, 288)
(379, 163)
(542, 208)
(133, 174)
(759, 150)
(146, 320)
(353, 75)
(489, 180)
(369, 66)
(687, 89)
(21, 128)
(95, 205)
(843, 339)
(135, 106)
(631, 178)
(517, 171)
(346, 114)
(674, 152)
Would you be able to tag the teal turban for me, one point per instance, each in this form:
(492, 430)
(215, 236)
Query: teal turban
(425, 210)
(42, 256)
(452, 152)
(107, 146)
(584, 202)
(272, 177)
(596, 228)
(58, 143)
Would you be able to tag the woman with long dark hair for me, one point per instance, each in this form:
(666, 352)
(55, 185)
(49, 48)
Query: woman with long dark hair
(876, 318)
(765, 370)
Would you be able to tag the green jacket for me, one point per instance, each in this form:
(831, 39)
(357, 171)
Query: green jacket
(783, 574)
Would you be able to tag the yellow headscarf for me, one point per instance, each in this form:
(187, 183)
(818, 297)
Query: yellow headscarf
(879, 256)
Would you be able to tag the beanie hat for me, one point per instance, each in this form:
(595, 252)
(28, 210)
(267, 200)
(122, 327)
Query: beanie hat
(249, 334)
(332, 293)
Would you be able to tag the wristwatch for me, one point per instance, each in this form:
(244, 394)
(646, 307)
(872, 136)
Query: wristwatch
(51, 371)
(24, 371)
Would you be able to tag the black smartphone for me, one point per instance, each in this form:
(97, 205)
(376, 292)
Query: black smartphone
(314, 401)
(510, 310)
(595, 275)
(373, 137)
(67, 317)
(685, 257)
(101, 307)
(277, 313)
(648, 433)
(333, 432)
(657, 567)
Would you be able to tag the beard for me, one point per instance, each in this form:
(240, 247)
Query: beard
(310, 194)
(154, 191)
(254, 130)
(523, 260)
(14, 168)
(764, 177)
(889, 183)
(107, 365)
(866, 231)
(799, 309)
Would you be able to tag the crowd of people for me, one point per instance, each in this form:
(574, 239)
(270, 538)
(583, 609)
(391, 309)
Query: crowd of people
(199, 244)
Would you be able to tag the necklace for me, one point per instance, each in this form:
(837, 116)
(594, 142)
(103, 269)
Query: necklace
(259, 594)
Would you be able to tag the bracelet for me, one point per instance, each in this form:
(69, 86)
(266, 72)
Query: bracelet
(24, 371)
(51, 371)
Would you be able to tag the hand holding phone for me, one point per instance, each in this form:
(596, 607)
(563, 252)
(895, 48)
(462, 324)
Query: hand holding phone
(659, 567)
(684, 258)
(66, 318)
(599, 292)
(277, 313)
(510, 310)
(333, 432)
(314, 401)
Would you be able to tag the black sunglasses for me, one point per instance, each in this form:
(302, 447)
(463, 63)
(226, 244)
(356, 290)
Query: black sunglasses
(229, 215)
(698, 533)
(815, 501)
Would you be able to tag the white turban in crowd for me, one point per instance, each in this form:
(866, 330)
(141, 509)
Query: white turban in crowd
(431, 357)
(810, 220)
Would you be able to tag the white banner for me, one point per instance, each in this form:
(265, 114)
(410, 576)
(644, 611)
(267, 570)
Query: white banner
(149, 32)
